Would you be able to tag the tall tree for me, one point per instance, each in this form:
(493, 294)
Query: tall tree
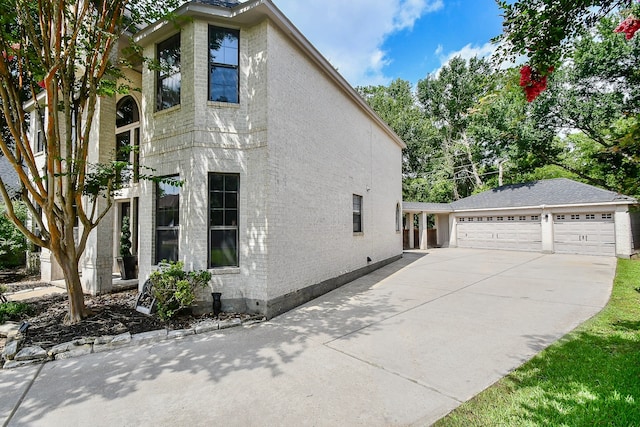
(65, 54)
(448, 98)
(594, 98)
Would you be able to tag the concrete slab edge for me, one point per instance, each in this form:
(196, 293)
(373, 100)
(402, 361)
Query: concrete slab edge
(84, 346)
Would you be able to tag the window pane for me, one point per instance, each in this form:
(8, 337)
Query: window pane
(169, 79)
(217, 217)
(167, 245)
(223, 46)
(231, 182)
(168, 203)
(126, 112)
(231, 200)
(223, 84)
(231, 217)
(217, 199)
(216, 182)
(224, 248)
(357, 225)
(122, 143)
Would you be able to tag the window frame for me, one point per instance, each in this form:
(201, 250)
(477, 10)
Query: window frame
(223, 227)
(161, 77)
(211, 64)
(158, 228)
(358, 227)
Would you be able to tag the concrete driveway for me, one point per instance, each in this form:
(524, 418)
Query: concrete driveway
(402, 346)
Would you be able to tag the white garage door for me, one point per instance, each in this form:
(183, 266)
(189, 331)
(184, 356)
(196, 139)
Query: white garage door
(589, 234)
(519, 232)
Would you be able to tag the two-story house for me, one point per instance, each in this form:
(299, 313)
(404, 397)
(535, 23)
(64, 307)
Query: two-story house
(291, 183)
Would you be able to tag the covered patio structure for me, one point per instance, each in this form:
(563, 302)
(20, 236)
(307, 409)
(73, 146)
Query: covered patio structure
(425, 225)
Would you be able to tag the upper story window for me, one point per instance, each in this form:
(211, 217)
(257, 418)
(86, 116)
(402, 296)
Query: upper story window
(38, 126)
(224, 57)
(169, 78)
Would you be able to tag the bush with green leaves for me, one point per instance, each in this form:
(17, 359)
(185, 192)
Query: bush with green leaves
(13, 244)
(13, 310)
(175, 289)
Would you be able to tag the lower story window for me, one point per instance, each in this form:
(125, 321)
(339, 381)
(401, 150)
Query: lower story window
(224, 204)
(167, 221)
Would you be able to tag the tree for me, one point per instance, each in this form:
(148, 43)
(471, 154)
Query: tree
(593, 105)
(397, 105)
(62, 56)
(449, 98)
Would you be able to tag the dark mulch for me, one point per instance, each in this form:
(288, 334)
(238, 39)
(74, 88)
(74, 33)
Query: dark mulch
(112, 314)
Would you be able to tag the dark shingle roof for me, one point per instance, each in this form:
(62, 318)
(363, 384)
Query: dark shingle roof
(559, 191)
(9, 177)
(222, 3)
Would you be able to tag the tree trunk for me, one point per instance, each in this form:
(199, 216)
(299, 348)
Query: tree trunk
(77, 310)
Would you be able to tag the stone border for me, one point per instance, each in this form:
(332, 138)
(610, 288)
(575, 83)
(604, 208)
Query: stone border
(15, 357)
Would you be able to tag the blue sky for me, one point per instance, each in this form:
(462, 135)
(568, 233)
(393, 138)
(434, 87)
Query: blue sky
(373, 42)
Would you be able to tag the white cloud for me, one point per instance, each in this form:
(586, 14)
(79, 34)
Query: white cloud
(467, 52)
(350, 34)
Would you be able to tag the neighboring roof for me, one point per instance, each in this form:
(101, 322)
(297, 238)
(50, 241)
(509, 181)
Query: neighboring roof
(549, 192)
(252, 12)
(9, 177)
(426, 207)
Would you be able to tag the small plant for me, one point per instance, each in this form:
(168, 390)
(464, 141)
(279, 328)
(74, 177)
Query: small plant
(175, 289)
(125, 238)
(12, 310)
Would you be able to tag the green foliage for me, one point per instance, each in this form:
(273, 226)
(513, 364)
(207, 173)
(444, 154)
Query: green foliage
(125, 238)
(13, 244)
(590, 377)
(174, 289)
(542, 30)
(14, 310)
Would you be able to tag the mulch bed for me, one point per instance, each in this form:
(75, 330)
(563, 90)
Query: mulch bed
(112, 314)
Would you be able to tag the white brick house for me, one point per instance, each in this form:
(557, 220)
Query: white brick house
(292, 184)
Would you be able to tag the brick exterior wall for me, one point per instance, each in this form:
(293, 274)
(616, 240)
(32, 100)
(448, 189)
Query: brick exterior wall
(302, 148)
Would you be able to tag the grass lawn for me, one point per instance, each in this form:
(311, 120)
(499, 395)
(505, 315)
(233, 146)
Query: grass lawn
(590, 377)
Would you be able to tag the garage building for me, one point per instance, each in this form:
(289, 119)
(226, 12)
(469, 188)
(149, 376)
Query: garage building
(550, 216)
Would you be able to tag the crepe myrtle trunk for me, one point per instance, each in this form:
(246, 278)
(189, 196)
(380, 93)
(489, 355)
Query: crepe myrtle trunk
(76, 307)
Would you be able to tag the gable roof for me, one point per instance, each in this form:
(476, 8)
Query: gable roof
(550, 192)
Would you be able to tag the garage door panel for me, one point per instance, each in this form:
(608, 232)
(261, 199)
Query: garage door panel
(500, 235)
(588, 237)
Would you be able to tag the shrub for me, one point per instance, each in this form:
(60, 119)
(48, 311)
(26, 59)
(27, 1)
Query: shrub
(13, 244)
(174, 289)
(13, 310)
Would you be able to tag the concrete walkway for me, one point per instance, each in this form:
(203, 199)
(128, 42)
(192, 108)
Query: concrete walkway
(402, 346)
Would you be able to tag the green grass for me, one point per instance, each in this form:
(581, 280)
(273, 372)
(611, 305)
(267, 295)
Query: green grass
(589, 378)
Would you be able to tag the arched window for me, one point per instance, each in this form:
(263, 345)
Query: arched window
(128, 135)
(126, 112)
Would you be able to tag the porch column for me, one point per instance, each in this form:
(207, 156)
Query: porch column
(97, 261)
(411, 218)
(423, 231)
